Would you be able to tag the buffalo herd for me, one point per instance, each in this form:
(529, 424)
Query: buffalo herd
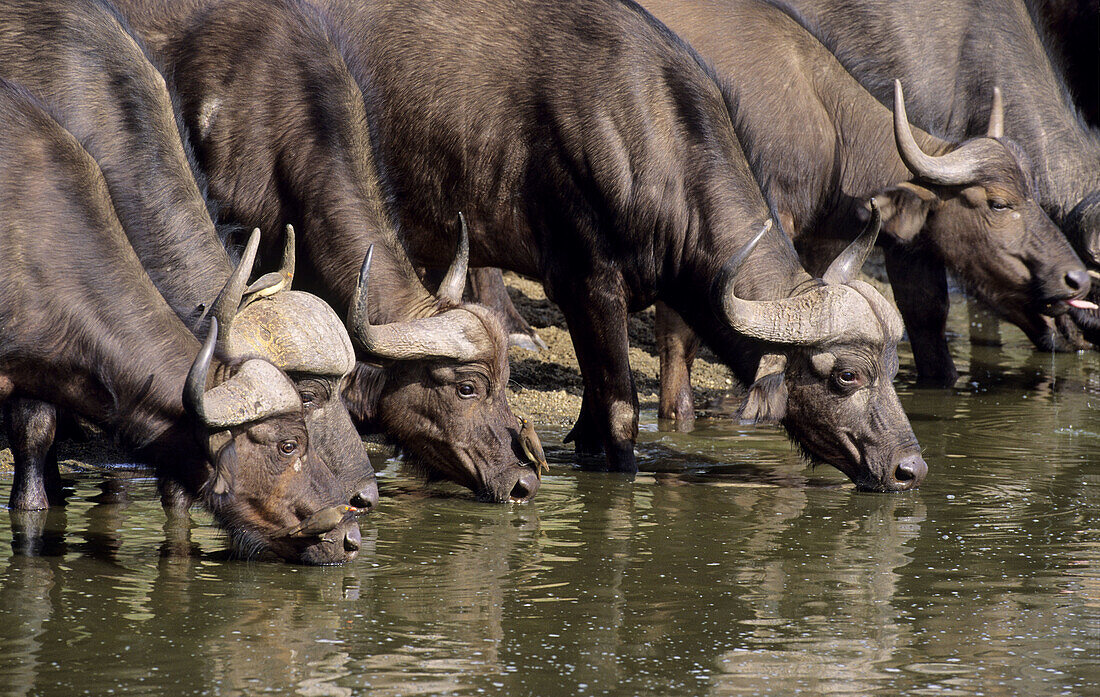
(238, 234)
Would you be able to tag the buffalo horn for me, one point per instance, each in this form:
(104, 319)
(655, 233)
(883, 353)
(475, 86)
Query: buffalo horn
(819, 315)
(271, 283)
(229, 300)
(455, 281)
(996, 127)
(257, 390)
(440, 336)
(848, 263)
(195, 387)
(729, 271)
(957, 167)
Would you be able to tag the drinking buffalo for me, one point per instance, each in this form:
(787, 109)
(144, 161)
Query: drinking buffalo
(821, 146)
(82, 327)
(590, 149)
(81, 59)
(280, 130)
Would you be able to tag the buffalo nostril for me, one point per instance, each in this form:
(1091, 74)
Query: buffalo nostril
(910, 472)
(1077, 280)
(526, 486)
(352, 539)
(366, 498)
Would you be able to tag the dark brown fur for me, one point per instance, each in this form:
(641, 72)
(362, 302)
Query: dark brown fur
(949, 56)
(821, 145)
(81, 58)
(279, 127)
(589, 148)
(82, 327)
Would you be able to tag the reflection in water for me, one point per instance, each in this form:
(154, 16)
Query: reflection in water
(726, 568)
(843, 597)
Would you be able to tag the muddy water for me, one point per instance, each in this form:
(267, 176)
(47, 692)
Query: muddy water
(727, 568)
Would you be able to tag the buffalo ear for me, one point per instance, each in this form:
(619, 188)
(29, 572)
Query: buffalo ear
(904, 209)
(362, 392)
(223, 470)
(766, 401)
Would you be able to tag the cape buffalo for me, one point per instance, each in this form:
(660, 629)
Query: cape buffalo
(821, 145)
(591, 149)
(280, 130)
(949, 56)
(82, 327)
(81, 59)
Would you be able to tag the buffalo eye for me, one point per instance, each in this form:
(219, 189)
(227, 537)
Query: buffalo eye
(288, 446)
(846, 378)
(466, 390)
(313, 393)
(996, 204)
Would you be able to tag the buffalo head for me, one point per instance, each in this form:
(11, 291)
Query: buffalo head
(439, 388)
(828, 368)
(302, 336)
(266, 482)
(978, 208)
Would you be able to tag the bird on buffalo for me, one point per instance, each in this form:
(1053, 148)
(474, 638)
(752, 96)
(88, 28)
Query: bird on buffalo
(532, 447)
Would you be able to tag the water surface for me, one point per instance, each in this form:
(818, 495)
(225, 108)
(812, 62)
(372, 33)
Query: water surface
(727, 568)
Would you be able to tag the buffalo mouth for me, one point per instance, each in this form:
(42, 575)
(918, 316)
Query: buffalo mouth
(1088, 322)
(337, 546)
(850, 458)
(842, 455)
(312, 542)
(1069, 303)
(515, 484)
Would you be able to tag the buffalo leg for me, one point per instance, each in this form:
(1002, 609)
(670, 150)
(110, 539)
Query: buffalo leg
(31, 428)
(920, 291)
(486, 287)
(676, 348)
(174, 499)
(609, 411)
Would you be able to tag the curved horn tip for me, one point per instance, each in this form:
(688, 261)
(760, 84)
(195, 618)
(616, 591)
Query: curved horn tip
(953, 168)
(725, 281)
(747, 249)
(287, 269)
(996, 126)
(229, 299)
(358, 317)
(738, 258)
(454, 282)
(252, 245)
(364, 270)
(848, 263)
(195, 386)
(902, 130)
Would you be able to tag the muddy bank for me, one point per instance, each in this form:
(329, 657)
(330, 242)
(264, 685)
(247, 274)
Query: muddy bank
(547, 386)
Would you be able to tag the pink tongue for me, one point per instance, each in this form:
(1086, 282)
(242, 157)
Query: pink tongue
(1082, 304)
